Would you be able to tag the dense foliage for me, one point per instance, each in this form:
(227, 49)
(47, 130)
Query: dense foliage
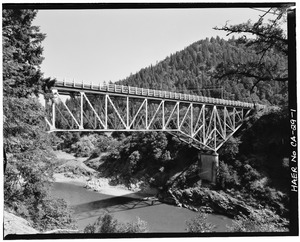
(262, 221)
(150, 157)
(106, 223)
(30, 166)
(199, 224)
(258, 168)
(84, 144)
(30, 161)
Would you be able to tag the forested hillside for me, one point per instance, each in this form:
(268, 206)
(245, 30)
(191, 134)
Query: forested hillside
(192, 70)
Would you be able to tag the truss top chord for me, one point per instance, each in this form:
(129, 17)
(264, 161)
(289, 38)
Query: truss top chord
(129, 90)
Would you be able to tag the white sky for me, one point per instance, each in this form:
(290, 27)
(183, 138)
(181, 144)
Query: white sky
(104, 45)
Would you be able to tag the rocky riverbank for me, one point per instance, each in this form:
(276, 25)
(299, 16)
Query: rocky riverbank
(74, 171)
(206, 200)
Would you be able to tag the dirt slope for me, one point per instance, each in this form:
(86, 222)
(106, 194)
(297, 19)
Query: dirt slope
(16, 225)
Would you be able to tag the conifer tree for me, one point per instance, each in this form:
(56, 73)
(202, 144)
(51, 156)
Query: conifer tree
(22, 53)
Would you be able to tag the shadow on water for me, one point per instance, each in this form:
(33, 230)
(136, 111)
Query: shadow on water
(160, 217)
(110, 205)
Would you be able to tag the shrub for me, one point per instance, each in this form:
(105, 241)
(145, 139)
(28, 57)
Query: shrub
(85, 146)
(104, 144)
(107, 144)
(67, 139)
(134, 227)
(199, 224)
(249, 175)
(227, 177)
(26, 191)
(133, 160)
(259, 221)
(75, 170)
(106, 223)
(275, 199)
(52, 214)
(230, 149)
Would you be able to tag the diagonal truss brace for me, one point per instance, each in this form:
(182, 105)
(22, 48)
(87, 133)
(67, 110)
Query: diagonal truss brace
(204, 126)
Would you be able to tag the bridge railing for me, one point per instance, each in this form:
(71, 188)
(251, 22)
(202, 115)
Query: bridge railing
(113, 88)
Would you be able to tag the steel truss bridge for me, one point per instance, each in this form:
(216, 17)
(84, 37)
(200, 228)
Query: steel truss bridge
(203, 122)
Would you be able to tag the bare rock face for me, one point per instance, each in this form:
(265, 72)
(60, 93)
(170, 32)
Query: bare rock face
(16, 225)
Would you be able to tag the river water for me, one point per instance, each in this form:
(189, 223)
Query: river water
(89, 205)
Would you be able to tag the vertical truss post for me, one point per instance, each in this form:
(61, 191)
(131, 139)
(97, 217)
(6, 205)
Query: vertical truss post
(224, 132)
(127, 113)
(81, 110)
(47, 121)
(204, 124)
(233, 118)
(146, 113)
(163, 114)
(53, 114)
(105, 103)
(55, 98)
(215, 127)
(178, 123)
(192, 130)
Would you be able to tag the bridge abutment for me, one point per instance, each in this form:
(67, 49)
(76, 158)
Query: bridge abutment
(208, 166)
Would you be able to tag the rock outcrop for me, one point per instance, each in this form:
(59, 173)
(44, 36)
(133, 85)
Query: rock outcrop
(206, 200)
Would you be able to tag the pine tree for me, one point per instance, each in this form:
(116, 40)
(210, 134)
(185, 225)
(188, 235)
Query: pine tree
(22, 53)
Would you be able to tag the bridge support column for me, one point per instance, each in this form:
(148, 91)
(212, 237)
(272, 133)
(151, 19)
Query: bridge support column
(208, 166)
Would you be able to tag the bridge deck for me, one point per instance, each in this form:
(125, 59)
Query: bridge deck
(136, 91)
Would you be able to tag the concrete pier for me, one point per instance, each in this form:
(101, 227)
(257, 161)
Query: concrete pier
(208, 166)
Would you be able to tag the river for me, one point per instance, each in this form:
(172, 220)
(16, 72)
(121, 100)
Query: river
(89, 205)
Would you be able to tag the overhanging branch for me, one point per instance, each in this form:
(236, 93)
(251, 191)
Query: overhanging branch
(248, 74)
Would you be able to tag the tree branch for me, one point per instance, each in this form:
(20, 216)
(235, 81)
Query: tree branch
(249, 30)
(248, 74)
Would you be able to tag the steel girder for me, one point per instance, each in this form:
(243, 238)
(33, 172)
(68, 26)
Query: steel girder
(206, 126)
